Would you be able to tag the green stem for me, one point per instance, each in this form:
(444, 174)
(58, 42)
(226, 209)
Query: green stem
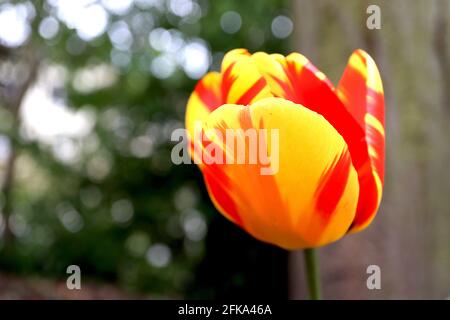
(312, 274)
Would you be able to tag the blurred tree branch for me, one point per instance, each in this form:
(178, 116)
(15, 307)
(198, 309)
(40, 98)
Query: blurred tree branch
(13, 101)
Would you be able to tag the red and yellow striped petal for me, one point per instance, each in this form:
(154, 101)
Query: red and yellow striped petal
(241, 81)
(205, 98)
(295, 78)
(361, 91)
(232, 56)
(311, 199)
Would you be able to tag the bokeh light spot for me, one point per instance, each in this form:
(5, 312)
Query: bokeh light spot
(282, 27)
(231, 22)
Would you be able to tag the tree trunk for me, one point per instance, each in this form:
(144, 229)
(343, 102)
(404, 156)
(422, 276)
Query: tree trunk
(409, 238)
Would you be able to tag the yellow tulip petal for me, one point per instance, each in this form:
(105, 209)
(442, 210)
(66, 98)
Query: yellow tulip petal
(205, 98)
(232, 56)
(241, 81)
(310, 200)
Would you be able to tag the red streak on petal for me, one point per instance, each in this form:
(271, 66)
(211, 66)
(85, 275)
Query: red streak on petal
(252, 92)
(332, 185)
(227, 82)
(219, 186)
(368, 200)
(207, 96)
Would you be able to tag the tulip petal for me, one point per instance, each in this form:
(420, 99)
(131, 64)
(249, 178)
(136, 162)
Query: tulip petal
(234, 55)
(205, 98)
(310, 201)
(296, 79)
(361, 91)
(241, 81)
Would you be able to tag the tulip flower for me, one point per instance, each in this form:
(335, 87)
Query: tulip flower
(330, 176)
(331, 145)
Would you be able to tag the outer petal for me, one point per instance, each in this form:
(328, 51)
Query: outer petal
(205, 98)
(311, 199)
(361, 91)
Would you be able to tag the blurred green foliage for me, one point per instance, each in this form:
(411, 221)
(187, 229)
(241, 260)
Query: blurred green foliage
(119, 208)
